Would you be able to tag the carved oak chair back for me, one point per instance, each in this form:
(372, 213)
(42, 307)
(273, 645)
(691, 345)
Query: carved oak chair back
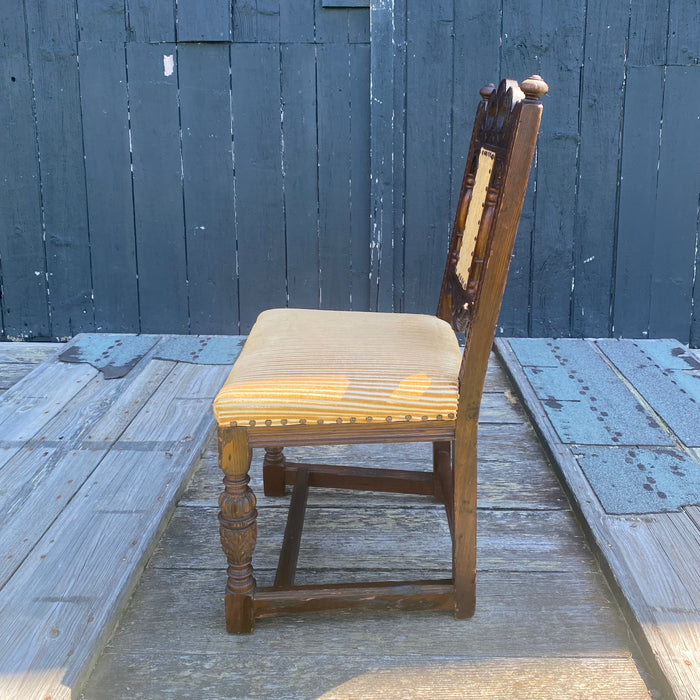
(321, 377)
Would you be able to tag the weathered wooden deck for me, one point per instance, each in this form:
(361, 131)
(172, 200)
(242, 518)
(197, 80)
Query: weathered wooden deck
(90, 469)
(621, 419)
(547, 624)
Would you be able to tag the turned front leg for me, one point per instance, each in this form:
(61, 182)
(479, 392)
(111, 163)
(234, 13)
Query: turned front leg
(238, 529)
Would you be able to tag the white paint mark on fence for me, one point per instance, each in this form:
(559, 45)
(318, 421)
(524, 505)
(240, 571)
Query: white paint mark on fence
(168, 64)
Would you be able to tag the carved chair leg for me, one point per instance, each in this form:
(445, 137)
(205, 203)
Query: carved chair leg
(464, 541)
(238, 529)
(273, 471)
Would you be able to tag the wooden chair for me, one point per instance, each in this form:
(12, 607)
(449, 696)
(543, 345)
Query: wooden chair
(309, 377)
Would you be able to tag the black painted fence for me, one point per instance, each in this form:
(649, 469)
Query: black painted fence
(175, 166)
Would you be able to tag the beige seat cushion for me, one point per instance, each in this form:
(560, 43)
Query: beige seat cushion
(304, 366)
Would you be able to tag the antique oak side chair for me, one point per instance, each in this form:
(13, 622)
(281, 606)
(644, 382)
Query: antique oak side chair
(308, 377)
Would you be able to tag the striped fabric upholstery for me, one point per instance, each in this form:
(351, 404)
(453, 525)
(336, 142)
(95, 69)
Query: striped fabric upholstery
(305, 366)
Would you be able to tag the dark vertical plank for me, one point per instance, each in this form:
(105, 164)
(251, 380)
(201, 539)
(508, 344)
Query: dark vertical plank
(399, 158)
(102, 20)
(245, 21)
(255, 104)
(297, 21)
(334, 174)
(520, 57)
(683, 33)
(678, 193)
(198, 21)
(109, 188)
(151, 20)
(53, 51)
(599, 161)
(358, 26)
(428, 151)
(476, 24)
(695, 322)
(648, 33)
(382, 126)
(158, 204)
(552, 250)
(637, 207)
(300, 166)
(205, 106)
(269, 21)
(331, 24)
(359, 223)
(22, 263)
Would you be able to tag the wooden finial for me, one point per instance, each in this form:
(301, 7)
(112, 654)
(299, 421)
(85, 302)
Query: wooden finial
(534, 87)
(486, 91)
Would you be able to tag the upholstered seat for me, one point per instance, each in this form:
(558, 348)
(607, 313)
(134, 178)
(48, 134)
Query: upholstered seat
(315, 367)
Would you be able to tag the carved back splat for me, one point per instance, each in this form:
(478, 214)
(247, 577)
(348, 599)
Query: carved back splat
(505, 132)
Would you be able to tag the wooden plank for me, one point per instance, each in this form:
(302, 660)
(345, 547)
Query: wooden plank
(479, 24)
(648, 34)
(23, 306)
(29, 353)
(519, 57)
(334, 175)
(54, 60)
(269, 20)
(101, 20)
(382, 125)
(509, 473)
(180, 407)
(359, 222)
(399, 152)
(151, 20)
(637, 208)
(683, 34)
(205, 109)
(666, 605)
(245, 21)
(676, 222)
(255, 106)
(12, 372)
(299, 167)
(428, 222)
(598, 166)
(330, 24)
(358, 26)
(367, 540)
(501, 678)
(158, 197)
(40, 479)
(105, 112)
(589, 625)
(552, 279)
(482, 678)
(345, 3)
(32, 402)
(198, 22)
(296, 21)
